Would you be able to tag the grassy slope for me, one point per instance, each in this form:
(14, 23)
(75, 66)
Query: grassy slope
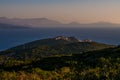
(93, 65)
(60, 60)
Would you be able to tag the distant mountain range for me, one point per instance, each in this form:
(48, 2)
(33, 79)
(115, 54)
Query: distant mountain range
(33, 22)
(44, 22)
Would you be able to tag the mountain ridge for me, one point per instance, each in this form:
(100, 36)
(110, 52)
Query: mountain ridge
(59, 45)
(45, 22)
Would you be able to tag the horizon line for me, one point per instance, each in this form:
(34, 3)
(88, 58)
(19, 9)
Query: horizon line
(59, 21)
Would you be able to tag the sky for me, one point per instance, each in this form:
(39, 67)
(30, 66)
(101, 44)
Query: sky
(82, 11)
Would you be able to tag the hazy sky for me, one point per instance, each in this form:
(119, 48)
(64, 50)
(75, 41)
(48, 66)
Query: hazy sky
(83, 11)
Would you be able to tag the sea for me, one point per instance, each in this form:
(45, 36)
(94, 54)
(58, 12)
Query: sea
(13, 37)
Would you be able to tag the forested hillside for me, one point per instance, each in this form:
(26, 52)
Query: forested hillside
(61, 60)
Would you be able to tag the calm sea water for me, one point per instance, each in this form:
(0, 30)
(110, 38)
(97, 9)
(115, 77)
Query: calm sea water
(13, 37)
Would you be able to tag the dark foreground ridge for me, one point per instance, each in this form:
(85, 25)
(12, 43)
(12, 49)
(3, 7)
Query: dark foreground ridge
(59, 45)
(61, 58)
